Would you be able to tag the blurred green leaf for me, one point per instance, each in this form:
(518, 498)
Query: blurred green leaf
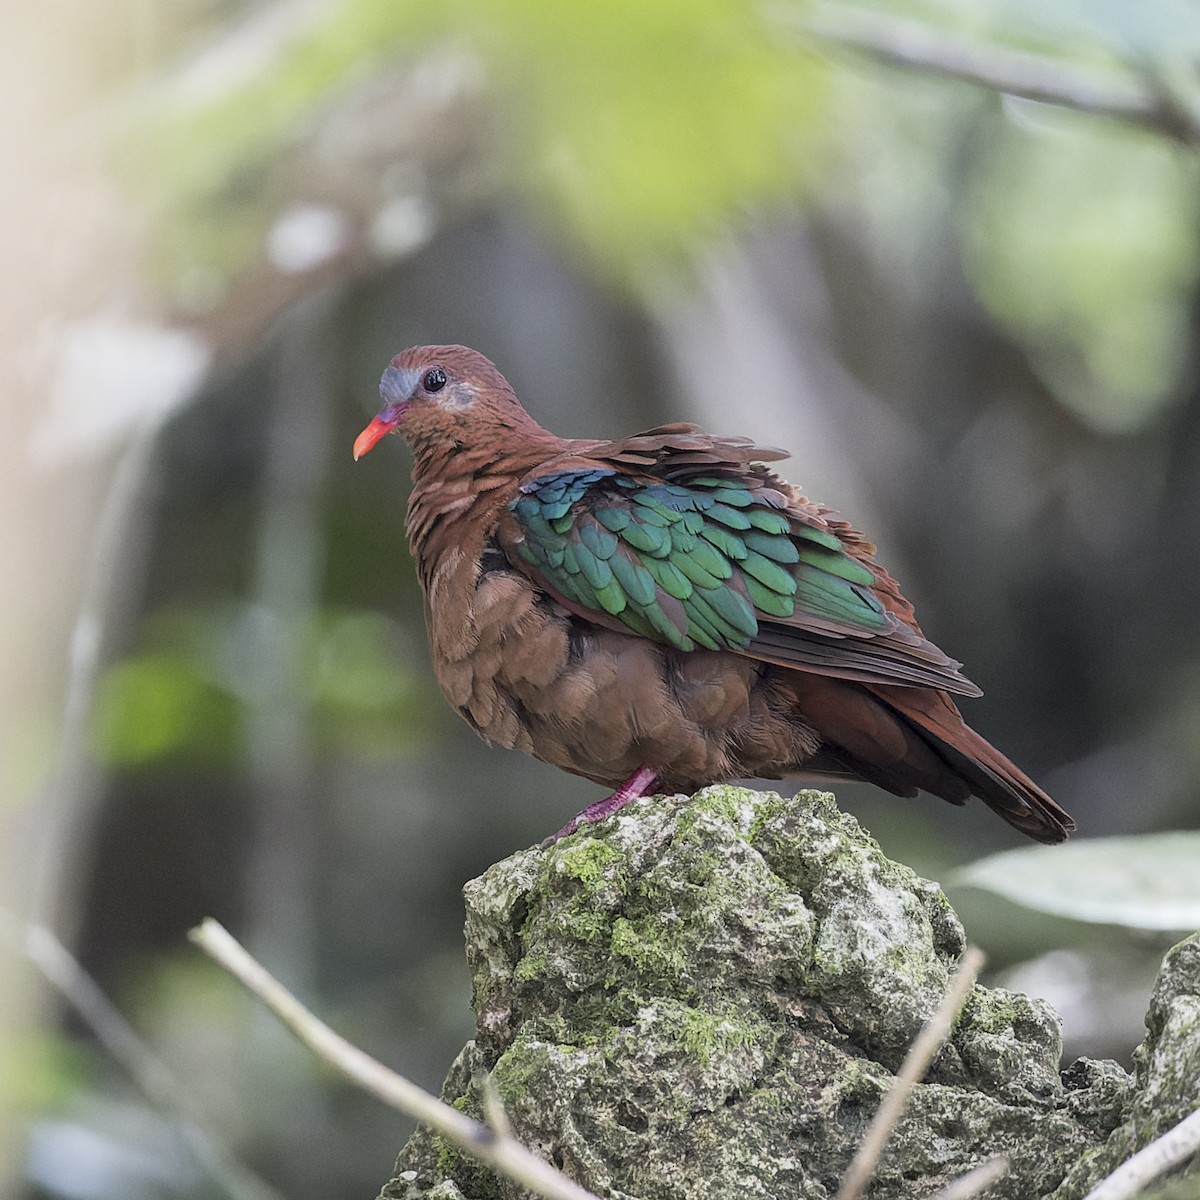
(642, 126)
(366, 700)
(153, 706)
(354, 662)
(1151, 881)
(651, 125)
(1081, 239)
(185, 692)
(42, 1071)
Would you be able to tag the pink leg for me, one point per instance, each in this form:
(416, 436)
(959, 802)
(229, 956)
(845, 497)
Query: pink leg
(638, 784)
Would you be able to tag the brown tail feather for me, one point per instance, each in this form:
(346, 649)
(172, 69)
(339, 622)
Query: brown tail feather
(999, 783)
(909, 739)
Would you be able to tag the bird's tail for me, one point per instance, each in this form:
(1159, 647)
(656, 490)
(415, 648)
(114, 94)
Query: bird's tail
(907, 739)
(997, 781)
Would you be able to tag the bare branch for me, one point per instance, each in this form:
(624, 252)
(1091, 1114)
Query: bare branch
(1175, 1146)
(967, 1186)
(916, 1062)
(493, 1107)
(1137, 97)
(491, 1147)
(59, 967)
(71, 794)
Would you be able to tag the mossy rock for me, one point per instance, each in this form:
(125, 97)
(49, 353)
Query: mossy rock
(1167, 1080)
(708, 996)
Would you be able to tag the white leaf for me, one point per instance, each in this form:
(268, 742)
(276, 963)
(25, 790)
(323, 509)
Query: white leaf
(1151, 881)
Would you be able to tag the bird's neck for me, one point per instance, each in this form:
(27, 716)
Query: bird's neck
(459, 489)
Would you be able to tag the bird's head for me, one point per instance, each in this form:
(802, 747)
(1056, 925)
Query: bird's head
(432, 393)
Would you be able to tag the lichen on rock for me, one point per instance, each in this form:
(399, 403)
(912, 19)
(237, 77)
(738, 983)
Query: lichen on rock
(709, 995)
(1167, 1075)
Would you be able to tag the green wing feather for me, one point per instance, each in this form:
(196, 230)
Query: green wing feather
(693, 564)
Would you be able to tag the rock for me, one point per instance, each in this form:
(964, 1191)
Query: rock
(1167, 1079)
(708, 996)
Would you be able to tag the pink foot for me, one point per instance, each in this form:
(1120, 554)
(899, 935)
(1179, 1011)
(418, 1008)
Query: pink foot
(638, 784)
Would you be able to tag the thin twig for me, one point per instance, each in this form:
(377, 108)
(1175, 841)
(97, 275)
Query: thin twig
(1175, 1146)
(289, 573)
(915, 1064)
(967, 1186)
(1127, 97)
(71, 795)
(490, 1147)
(493, 1107)
(55, 963)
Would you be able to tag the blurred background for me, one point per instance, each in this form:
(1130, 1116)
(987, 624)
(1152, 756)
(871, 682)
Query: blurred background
(946, 251)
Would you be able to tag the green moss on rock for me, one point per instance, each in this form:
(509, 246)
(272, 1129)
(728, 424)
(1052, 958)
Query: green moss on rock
(1167, 1074)
(708, 996)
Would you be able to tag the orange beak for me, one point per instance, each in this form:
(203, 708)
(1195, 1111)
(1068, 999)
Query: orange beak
(378, 429)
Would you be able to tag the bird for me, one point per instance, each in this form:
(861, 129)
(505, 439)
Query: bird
(664, 611)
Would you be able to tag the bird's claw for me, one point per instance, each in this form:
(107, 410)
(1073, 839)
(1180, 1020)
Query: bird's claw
(638, 784)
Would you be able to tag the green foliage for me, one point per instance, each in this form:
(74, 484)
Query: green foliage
(154, 706)
(185, 694)
(1077, 232)
(1080, 238)
(204, 157)
(1143, 882)
(645, 131)
(650, 125)
(641, 126)
(40, 1072)
(181, 997)
(366, 698)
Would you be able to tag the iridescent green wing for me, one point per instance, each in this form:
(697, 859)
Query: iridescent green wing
(691, 564)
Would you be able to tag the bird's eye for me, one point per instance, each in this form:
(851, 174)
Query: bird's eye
(434, 380)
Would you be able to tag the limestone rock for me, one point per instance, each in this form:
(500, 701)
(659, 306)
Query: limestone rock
(708, 996)
(1168, 1076)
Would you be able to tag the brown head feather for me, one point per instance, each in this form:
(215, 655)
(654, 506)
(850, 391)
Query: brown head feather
(452, 397)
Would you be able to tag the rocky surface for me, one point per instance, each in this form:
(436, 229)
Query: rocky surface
(1167, 1087)
(707, 997)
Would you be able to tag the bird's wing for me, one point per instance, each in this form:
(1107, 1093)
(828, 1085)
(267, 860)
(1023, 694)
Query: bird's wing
(678, 544)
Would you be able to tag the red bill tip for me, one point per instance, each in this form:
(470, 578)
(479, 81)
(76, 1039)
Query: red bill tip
(378, 429)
